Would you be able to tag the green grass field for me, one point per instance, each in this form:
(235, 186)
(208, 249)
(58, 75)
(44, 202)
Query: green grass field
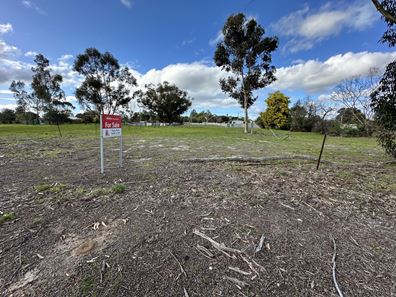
(220, 141)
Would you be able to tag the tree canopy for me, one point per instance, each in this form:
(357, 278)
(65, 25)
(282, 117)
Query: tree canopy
(45, 92)
(277, 111)
(165, 100)
(246, 53)
(106, 86)
(384, 106)
(383, 99)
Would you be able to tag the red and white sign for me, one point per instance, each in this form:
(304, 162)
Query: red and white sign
(111, 125)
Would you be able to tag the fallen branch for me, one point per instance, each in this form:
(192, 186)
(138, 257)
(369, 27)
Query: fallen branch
(250, 265)
(334, 268)
(205, 251)
(219, 246)
(249, 159)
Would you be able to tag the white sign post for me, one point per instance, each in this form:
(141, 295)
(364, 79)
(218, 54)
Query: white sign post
(110, 126)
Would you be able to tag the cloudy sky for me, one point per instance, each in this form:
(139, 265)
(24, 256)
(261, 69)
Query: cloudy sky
(321, 42)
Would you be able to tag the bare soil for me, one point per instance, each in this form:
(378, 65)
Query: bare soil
(74, 236)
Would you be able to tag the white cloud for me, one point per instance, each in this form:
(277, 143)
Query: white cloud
(127, 3)
(31, 54)
(315, 76)
(5, 28)
(200, 80)
(5, 92)
(305, 28)
(7, 50)
(31, 5)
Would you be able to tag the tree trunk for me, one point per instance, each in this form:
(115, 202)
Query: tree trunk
(246, 115)
(57, 123)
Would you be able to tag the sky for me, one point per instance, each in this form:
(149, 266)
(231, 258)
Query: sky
(321, 43)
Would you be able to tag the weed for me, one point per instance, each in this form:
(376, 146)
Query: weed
(57, 188)
(118, 188)
(86, 286)
(37, 221)
(7, 216)
(42, 187)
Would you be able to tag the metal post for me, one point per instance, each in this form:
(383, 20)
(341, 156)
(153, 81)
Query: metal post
(321, 151)
(101, 147)
(120, 141)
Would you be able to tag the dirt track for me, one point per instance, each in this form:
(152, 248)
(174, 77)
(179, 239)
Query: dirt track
(73, 236)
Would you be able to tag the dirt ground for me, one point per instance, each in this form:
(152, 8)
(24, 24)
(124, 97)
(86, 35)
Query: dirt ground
(74, 235)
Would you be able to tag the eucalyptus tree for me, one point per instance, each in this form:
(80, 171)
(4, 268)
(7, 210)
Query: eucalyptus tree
(45, 92)
(47, 88)
(245, 52)
(106, 86)
(166, 101)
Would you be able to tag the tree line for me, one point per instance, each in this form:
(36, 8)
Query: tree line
(246, 54)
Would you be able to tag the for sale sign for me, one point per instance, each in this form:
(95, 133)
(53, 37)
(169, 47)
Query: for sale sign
(111, 125)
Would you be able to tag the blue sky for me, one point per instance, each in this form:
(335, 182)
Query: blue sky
(321, 42)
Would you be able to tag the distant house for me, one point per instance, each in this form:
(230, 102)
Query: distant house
(349, 126)
(240, 124)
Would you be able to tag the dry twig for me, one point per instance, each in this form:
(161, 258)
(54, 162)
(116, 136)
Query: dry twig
(178, 262)
(185, 293)
(334, 268)
(236, 281)
(219, 246)
(236, 269)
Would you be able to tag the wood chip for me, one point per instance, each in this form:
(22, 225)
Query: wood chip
(260, 244)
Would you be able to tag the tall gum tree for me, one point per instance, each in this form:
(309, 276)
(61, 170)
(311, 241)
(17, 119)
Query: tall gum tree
(245, 52)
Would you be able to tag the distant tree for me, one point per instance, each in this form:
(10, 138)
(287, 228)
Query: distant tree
(106, 87)
(47, 88)
(45, 92)
(193, 115)
(23, 116)
(354, 94)
(277, 110)
(298, 114)
(88, 117)
(246, 53)
(384, 106)
(350, 115)
(26, 100)
(7, 116)
(53, 116)
(166, 101)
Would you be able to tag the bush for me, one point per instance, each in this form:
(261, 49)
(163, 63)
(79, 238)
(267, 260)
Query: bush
(336, 129)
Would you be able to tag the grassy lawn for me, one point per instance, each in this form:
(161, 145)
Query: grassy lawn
(206, 141)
